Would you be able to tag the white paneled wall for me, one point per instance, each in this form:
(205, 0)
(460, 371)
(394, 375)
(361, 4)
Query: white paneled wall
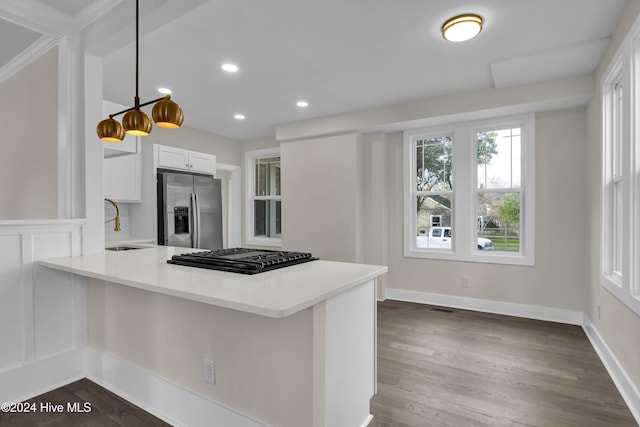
(42, 311)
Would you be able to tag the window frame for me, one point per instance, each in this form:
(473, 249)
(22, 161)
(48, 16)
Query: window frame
(614, 127)
(251, 157)
(624, 69)
(464, 203)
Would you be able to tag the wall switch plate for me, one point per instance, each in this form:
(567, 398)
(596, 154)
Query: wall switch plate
(209, 371)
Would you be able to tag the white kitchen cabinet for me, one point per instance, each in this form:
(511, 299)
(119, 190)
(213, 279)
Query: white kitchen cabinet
(122, 176)
(202, 162)
(177, 158)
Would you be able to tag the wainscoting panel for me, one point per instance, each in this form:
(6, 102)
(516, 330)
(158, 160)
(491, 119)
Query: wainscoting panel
(11, 305)
(42, 311)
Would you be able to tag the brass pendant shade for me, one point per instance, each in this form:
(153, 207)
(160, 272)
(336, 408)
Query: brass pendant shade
(137, 123)
(110, 130)
(166, 113)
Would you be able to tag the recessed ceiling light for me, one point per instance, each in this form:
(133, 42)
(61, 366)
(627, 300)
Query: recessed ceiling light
(462, 27)
(230, 68)
(164, 90)
(239, 117)
(302, 104)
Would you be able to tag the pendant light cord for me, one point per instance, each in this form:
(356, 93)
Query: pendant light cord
(137, 100)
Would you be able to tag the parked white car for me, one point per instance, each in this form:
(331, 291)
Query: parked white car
(440, 238)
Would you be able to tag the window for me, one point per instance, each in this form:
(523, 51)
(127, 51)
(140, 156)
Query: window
(620, 198)
(263, 209)
(613, 180)
(434, 188)
(498, 188)
(469, 192)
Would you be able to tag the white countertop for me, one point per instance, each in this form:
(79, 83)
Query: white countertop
(278, 293)
(132, 241)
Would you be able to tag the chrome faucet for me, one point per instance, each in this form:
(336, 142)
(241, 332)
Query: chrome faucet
(117, 218)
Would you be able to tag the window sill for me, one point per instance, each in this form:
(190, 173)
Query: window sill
(488, 257)
(264, 241)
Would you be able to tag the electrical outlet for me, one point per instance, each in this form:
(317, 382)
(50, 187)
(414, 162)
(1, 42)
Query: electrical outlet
(464, 282)
(209, 371)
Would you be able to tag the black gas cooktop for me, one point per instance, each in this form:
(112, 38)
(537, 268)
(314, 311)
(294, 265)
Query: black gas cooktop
(241, 260)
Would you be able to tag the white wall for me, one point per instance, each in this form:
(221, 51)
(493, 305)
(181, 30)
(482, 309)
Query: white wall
(322, 190)
(322, 180)
(617, 324)
(558, 278)
(28, 166)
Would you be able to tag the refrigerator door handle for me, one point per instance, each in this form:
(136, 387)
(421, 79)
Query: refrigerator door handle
(194, 221)
(197, 222)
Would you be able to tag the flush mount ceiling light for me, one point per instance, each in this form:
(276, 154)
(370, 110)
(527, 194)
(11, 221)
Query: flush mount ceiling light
(302, 104)
(166, 113)
(239, 117)
(230, 68)
(462, 27)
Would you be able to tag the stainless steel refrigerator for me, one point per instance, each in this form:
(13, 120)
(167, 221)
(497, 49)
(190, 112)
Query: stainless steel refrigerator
(189, 210)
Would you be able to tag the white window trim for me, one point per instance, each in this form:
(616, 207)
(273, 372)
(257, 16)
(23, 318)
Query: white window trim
(464, 195)
(610, 279)
(250, 168)
(626, 62)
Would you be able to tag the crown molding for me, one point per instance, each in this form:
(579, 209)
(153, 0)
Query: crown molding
(27, 56)
(37, 17)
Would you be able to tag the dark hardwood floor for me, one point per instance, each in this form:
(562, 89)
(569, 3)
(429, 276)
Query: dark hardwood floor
(449, 367)
(436, 367)
(102, 409)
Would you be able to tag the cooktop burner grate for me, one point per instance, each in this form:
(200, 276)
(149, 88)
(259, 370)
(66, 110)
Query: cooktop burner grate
(241, 260)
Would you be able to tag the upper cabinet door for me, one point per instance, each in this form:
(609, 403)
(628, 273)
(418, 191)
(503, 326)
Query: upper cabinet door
(202, 162)
(173, 158)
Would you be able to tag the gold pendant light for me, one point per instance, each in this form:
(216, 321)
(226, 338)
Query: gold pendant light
(110, 130)
(137, 123)
(166, 113)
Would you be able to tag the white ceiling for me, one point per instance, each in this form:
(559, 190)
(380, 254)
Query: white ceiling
(338, 55)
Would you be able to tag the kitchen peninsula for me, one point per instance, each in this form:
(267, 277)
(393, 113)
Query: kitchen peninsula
(291, 347)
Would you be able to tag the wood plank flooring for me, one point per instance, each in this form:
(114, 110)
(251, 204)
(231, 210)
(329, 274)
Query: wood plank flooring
(104, 409)
(449, 367)
(436, 367)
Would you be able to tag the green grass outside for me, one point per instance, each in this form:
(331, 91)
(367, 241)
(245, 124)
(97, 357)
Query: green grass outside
(510, 244)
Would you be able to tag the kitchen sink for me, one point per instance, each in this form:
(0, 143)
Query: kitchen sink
(121, 248)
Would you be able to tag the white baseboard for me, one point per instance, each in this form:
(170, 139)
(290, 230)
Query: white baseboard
(570, 317)
(42, 376)
(158, 396)
(625, 386)
(367, 421)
